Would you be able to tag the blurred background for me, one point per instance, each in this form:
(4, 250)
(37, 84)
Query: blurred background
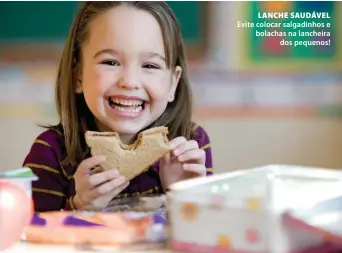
(260, 102)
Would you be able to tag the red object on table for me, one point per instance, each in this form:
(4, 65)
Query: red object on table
(16, 209)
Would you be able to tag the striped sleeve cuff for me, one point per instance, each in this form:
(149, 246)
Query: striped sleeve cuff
(209, 171)
(70, 204)
(204, 147)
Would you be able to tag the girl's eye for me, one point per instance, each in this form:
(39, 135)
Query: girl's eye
(150, 66)
(111, 63)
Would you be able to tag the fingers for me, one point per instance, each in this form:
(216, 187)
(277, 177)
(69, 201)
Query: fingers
(87, 164)
(85, 183)
(194, 155)
(113, 185)
(176, 142)
(166, 159)
(95, 170)
(94, 186)
(102, 177)
(187, 151)
(97, 203)
(198, 169)
(185, 146)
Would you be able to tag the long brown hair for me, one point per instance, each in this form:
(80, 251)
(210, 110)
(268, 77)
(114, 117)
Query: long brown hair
(76, 118)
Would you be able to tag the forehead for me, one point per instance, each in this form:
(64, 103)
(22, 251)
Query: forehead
(126, 29)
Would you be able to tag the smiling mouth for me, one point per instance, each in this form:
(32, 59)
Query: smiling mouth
(124, 105)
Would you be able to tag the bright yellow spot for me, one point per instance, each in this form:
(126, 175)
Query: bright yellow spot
(253, 204)
(223, 242)
(189, 211)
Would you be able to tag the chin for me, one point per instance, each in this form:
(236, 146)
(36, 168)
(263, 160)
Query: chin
(127, 128)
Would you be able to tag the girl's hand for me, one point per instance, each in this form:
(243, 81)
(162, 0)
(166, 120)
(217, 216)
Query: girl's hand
(186, 160)
(95, 190)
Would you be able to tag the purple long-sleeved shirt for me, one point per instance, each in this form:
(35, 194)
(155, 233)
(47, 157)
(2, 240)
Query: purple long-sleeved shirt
(56, 186)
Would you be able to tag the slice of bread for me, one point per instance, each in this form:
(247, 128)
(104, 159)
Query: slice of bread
(129, 160)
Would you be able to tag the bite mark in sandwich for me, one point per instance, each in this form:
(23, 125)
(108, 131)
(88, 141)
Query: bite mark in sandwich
(129, 160)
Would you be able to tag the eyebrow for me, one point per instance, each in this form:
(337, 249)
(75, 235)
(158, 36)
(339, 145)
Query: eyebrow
(115, 52)
(152, 54)
(106, 51)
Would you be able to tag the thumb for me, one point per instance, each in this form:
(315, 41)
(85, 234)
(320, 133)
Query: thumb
(166, 159)
(88, 164)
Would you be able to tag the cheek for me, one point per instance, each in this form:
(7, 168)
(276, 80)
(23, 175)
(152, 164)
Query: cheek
(94, 81)
(158, 89)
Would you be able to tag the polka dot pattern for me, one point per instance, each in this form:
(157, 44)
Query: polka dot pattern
(189, 211)
(216, 202)
(224, 242)
(252, 236)
(253, 204)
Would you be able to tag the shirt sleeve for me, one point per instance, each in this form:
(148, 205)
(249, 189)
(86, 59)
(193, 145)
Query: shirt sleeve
(49, 191)
(203, 141)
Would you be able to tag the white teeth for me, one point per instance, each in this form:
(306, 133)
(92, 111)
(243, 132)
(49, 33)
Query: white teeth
(127, 102)
(125, 109)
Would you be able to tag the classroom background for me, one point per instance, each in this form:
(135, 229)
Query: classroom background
(261, 103)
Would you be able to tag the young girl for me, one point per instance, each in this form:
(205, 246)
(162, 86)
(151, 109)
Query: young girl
(123, 69)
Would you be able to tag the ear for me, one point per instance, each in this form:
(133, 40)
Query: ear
(176, 75)
(79, 86)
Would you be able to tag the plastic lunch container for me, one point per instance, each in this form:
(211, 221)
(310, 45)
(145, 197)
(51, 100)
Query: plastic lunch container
(242, 211)
(22, 177)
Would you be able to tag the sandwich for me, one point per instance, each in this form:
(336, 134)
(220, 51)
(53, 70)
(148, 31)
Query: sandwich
(130, 160)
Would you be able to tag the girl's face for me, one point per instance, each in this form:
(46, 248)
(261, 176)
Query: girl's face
(124, 77)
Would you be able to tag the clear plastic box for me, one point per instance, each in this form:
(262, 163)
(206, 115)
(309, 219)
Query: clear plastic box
(241, 211)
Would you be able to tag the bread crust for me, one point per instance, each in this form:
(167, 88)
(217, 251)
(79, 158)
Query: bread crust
(130, 160)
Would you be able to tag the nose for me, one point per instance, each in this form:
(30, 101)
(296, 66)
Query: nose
(129, 79)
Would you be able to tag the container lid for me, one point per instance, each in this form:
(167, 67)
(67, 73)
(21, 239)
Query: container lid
(21, 173)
